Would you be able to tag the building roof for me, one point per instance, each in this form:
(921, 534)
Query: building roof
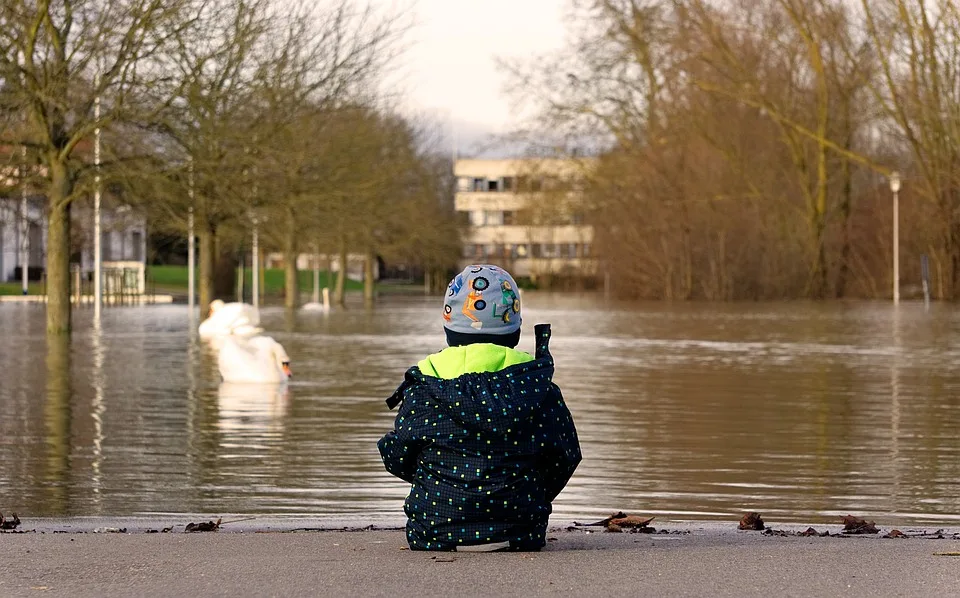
(521, 166)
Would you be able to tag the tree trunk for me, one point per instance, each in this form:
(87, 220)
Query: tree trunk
(368, 278)
(329, 274)
(225, 274)
(341, 275)
(846, 205)
(820, 219)
(58, 251)
(205, 275)
(953, 287)
(291, 287)
(262, 290)
(368, 282)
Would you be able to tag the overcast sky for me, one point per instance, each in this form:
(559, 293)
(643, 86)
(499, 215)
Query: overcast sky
(450, 66)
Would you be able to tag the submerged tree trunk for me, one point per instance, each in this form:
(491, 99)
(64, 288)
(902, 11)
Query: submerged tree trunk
(368, 277)
(846, 206)
(291, 295)
(338, 297)
(225, 275)
(953, 249)
(205, 275)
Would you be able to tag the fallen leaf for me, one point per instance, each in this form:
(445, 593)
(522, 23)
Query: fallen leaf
(855, 525)
(751, 521)
(631, 521)
(895, 533)
(9, 523)
(809, 532)
(775, 532)
(203, 526)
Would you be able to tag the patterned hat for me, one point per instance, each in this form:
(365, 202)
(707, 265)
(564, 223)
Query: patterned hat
(483, 299)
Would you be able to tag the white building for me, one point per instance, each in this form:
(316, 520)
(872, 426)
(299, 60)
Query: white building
(21, 239)
(525, 215)
(123, 242)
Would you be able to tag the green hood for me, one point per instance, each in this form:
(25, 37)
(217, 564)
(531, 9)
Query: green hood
(454, 362)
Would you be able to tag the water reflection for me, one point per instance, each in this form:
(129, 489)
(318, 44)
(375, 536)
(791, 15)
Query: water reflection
(98, 406)
(58, 424)
(799, 411)
(251, 413)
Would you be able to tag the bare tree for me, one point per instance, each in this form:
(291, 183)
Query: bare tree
(56, 58)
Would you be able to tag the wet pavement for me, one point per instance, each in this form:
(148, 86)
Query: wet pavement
(270, 558)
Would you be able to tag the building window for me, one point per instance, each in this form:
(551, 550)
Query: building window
(35, 255)
(519, 251)
(509, 218)
(493, 185)
(493, 217)
(477, 218)
(106, 246)
(469, 250)
(479, 184)
(568, 250)
(586, 250)
(508, 183)
(549, 250)
(464, 183)
(136, 249)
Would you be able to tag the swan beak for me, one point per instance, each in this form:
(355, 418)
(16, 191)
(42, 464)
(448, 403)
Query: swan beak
(287, 370)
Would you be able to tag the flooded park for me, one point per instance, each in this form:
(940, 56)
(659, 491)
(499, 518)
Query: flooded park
(801, 411)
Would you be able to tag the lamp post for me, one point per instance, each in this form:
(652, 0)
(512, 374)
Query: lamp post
(255, 296)
(895, 187)
(191, 243)
(97, 235)
(24, 257)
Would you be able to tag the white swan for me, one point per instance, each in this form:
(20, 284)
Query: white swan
(238, 319)
(257, 360)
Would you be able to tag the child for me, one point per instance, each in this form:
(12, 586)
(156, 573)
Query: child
(482, 434)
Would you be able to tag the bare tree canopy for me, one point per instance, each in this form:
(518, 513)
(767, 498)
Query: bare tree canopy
(746, 144)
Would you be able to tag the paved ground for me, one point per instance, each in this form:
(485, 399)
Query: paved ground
(270, 558)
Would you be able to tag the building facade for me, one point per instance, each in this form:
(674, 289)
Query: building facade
(526, 215)
(23, 236)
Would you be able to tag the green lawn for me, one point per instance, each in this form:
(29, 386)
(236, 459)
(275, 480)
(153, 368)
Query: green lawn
(16, 288)
(175, 278)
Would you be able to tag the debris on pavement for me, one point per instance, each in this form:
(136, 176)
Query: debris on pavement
(751, 521)
(203, 526)
(856, 525)
(9, 523)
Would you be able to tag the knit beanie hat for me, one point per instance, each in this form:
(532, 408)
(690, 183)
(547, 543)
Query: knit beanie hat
(482, 305)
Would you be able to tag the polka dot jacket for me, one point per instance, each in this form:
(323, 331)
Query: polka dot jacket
(486, 453)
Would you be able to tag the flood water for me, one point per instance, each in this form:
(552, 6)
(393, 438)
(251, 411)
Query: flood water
(800, 411)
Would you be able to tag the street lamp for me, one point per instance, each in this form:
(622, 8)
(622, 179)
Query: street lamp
(256, 220)
(895, 187)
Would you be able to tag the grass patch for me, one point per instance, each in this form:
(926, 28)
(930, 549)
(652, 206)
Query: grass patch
(175, 278)
(16, 288)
